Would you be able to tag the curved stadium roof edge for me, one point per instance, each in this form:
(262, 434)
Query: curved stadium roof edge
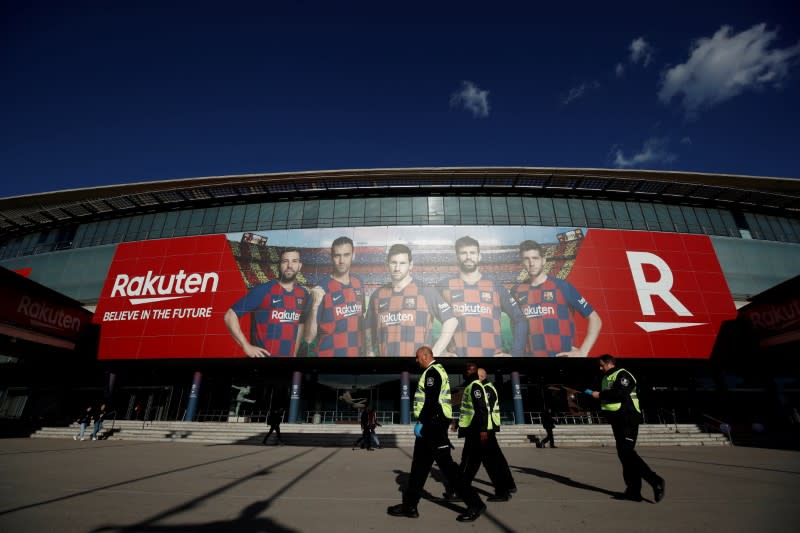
(26, 212)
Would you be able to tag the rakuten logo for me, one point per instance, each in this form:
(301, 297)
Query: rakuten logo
(158, 288)
(42, 314)
(344, 311)
(471, 309)
(393, 319)
(538, 311)
(285, 316)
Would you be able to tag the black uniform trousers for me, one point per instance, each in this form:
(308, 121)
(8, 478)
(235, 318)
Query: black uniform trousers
(634, 469)
(435, 446)
(489, 454)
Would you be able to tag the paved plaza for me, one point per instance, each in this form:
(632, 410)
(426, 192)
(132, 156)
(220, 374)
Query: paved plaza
(110, 486)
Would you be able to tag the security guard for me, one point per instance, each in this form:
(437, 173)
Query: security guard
(620, 405)
(493, 446)
(433, 409)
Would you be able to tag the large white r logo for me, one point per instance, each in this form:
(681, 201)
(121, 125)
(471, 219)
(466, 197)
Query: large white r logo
(646, 290)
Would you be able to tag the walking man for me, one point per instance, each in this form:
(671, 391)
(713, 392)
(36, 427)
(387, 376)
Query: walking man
(620, 405)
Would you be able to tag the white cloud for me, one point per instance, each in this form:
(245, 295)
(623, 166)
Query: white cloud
(654, 151)
(619, 70)
(579, 90)
(471, 98)
(641, 51)
(726, 65)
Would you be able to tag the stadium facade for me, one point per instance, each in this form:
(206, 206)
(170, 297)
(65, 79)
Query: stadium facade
(662, 260)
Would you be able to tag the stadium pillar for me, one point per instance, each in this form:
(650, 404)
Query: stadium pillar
(194, 394)
(294, 398)
(108, 392)
(516, 394)
(405, 398)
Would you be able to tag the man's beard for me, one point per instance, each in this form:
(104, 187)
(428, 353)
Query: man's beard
(286, 278)
(466, 269)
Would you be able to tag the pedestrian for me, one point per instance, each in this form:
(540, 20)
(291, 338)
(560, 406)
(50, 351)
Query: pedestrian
(434, 412)
(548, 423)
(373, 424)
(619, 403)
(83, 420)
(493, 399)
(274, 420)
(365, 440)
(98, 417)
(474, 424)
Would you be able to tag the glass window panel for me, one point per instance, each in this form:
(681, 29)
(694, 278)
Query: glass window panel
(389, 211)
(357, 211)
(561, 207)
(621, 215)
(662, 214)
(237, 218)
(729, 221)
(251, 213)
(451, 211)
(223, 220)
(516, 215)
(372, 211)
(341, 212)
(182, 225)
(716, 222)
(637, 217)
(280, 218)
(592, 214)
(607, 214)
(676, 214)
(420, 210)
(133, 228)
(752, 226)
(483, 210)
(209, 219)
(157, 228)
(466, 207)
(78, 240)
(326, 210)
(405, 210)
(169, 224)
(705, 221)
(144, 228)
(690, 216)
(576, 212)
(650, 217)
(531, 207)
(265, 215)
(436, 210)
(499, 210)
(110, 230)
(788, 230)
(122, 229)
(311, 214)
(296, 214)
(795, 224)
(546, 212)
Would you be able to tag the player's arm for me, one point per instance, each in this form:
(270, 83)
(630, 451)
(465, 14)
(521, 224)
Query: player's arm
(311, 325)
(371, 322)
(519, 324)
(300, 336)
(445, 336)
(235, 329)
(594, 323)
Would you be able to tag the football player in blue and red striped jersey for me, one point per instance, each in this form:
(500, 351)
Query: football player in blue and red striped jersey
(549, 304)
(478, 303)
(338, 307)
(277, 311)
(400, 315)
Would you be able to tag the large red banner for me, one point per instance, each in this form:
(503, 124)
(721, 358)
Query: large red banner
(657, 295)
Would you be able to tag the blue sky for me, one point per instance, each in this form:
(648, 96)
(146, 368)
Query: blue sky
(101, 93)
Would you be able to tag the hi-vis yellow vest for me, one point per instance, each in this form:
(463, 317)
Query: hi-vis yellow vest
(608, 382)
(467, 411)
(495, 409)
(444, 392)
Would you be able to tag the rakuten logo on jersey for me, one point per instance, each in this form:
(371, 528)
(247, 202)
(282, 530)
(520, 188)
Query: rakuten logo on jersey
(471, 309)
(152, 288)
(394, 319)
(344, 311)
(538, 311)
(285, 316)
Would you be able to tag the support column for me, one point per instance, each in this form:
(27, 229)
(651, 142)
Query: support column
(108, 390)
(516, 394)
(194, 394)
(294, 398)
(405, 398)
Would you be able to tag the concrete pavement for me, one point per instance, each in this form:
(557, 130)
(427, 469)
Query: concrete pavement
(68, 486)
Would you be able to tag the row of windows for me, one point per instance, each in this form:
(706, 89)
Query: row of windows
(461, 210)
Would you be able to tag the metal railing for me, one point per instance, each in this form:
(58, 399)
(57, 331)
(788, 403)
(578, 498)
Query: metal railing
(719, 425)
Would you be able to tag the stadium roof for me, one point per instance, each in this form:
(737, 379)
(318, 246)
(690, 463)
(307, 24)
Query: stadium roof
(23, 214)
